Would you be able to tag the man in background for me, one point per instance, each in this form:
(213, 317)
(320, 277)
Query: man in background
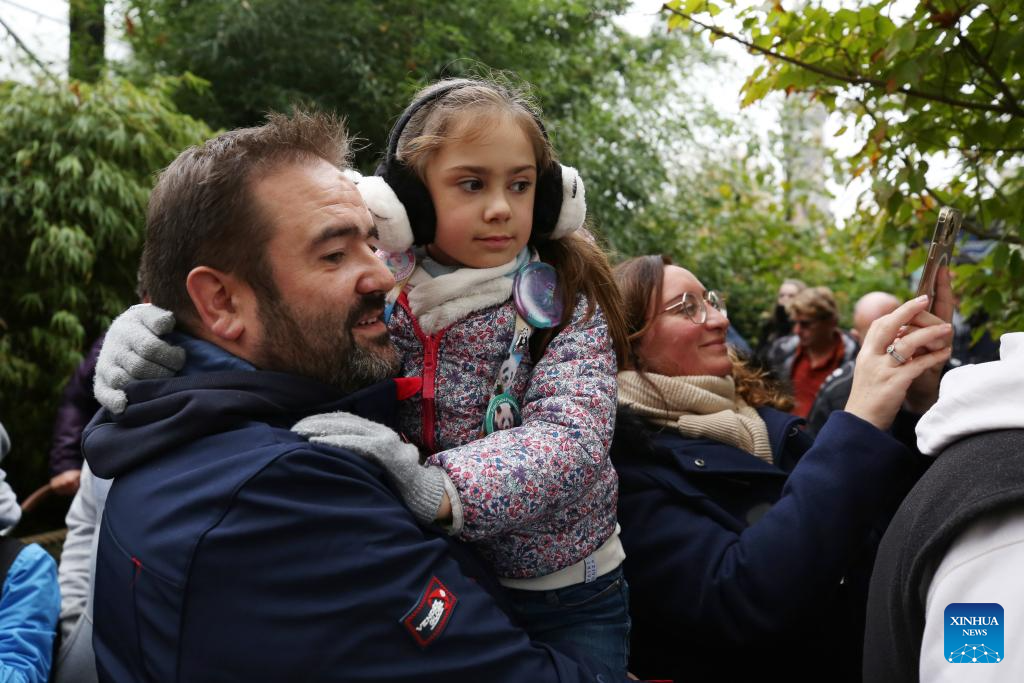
(817, 347)
(836, 388)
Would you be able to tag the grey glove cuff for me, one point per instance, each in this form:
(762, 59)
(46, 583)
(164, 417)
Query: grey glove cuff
(421, 488)
(423, 494)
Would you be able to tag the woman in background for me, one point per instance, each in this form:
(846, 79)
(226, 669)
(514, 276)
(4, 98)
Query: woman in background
(750, 544)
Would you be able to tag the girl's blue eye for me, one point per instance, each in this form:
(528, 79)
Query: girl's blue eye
(471, 185)
(520, 186)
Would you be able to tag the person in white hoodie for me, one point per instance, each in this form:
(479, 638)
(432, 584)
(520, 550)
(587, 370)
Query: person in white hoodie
(76, 661)
(10, 511)
(959, 535)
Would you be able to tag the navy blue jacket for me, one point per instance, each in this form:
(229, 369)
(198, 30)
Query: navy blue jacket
(233, 550)
(743, 570)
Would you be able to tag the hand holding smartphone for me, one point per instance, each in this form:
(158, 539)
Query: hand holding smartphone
(940, 252)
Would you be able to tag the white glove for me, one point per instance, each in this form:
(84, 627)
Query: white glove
(420, 487)
(133, 350)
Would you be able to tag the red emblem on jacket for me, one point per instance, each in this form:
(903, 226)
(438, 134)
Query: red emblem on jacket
(429, 617)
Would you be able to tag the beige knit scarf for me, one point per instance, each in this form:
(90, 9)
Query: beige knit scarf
(699, 406)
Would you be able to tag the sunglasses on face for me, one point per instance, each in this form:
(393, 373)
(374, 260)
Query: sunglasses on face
(696, 307)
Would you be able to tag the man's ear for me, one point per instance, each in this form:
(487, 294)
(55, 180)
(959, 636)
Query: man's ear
(224, 303)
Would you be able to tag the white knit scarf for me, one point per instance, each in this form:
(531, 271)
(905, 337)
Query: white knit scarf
(700, 406)
(438, 302)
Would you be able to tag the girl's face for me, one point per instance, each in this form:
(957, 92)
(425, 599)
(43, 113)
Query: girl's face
(675, 345)
(483, 190)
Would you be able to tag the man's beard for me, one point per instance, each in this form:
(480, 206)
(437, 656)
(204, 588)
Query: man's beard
(323, 347)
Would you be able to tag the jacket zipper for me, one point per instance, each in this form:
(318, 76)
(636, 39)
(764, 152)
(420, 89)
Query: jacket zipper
(429, 369)
(430, 346)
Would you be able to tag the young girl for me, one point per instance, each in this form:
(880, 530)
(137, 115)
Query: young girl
(517, 406)
(472, 167)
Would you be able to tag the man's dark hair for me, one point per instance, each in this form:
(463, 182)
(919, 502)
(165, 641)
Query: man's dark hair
(202, 211)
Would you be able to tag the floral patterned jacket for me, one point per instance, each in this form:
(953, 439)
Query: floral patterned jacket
(539, 497)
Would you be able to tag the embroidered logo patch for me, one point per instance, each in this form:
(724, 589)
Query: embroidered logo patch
(428, 618)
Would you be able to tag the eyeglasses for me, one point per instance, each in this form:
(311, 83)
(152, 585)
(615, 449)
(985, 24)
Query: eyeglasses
(808, 322)
(694, 308)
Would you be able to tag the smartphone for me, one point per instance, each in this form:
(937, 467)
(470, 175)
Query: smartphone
(940, 252)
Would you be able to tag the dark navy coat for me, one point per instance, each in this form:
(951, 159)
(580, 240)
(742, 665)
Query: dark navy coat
(743, 570)
(232, 549)
(77, 407)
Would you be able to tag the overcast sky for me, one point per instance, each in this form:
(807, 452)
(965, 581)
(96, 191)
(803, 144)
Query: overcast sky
(42, 25)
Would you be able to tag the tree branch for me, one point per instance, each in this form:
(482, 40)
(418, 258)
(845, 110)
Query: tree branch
(998, 27)
(985, 150)
(29, 52)
(979, 179)
(1008, 96)
(972, 227)
(853, 80)
(1006, 237)
(983, 63)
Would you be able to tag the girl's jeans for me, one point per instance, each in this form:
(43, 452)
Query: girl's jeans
(592, 617)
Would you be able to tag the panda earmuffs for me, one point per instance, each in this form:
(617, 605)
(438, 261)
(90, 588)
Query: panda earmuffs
(396, 192)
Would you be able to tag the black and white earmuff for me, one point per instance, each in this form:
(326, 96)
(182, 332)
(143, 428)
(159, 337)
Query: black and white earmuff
(395, 193)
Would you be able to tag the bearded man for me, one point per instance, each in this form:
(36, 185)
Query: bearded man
(232, 548)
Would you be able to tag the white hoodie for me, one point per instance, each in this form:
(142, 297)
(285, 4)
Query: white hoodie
(10, 510)
(977, 398)
(983, 563)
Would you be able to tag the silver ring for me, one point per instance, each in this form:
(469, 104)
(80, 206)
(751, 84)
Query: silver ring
(891, 350)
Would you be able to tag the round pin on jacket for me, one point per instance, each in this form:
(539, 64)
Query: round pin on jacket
(502, 413)
(535, 291)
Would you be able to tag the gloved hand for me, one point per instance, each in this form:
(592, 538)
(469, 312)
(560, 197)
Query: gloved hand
(420, 487)
(133, 350)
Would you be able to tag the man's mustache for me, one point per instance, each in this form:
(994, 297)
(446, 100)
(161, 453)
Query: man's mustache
(369, 304)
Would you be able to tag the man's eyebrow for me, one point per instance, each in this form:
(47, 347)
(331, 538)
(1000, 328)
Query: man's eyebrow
(328, 234)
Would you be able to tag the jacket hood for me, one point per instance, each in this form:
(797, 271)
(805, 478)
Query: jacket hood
(977, 398)
(164, 414)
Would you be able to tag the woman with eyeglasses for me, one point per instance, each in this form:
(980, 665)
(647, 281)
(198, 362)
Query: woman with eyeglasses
(749, 544)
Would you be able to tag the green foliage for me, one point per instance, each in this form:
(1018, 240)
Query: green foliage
(614, 104)
(602, 90)
(80, 165)
(940, 85)
(725, 219)
(612, 101)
